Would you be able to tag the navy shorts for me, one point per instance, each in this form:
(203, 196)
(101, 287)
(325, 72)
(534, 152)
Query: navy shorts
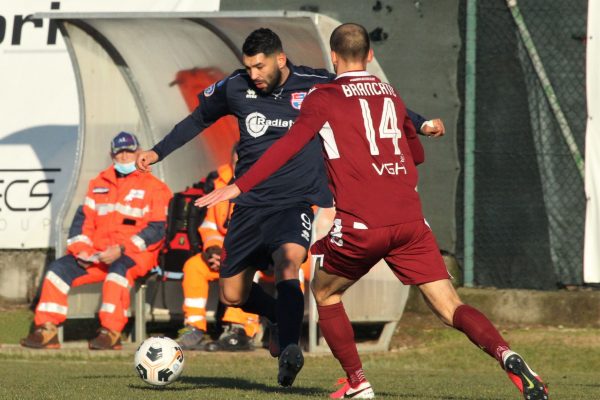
(254, 233)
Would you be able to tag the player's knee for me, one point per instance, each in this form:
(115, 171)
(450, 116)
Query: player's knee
(230, 298)
(289, 256)
(322, 295)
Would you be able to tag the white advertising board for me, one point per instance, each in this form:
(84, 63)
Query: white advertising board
(39, 112)
(591, 254)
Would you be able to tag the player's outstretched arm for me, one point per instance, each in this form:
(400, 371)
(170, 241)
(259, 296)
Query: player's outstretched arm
(216, 196)
(145, 159)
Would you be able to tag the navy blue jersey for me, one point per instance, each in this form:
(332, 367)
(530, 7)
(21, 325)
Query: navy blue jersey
(262, 119)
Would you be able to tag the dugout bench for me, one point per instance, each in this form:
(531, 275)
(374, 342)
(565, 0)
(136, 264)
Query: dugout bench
(153, 299)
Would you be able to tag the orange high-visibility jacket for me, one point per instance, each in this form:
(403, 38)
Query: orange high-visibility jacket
(122, 211)
(213, 228)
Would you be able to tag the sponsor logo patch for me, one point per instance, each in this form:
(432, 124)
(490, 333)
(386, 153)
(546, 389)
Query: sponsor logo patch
(257, 124)
(250, 94)
(100, 189)
(297, 99)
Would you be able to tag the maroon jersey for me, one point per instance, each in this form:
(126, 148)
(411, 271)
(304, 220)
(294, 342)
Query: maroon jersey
(367, 141)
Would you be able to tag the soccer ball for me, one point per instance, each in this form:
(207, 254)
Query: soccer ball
(159, 361)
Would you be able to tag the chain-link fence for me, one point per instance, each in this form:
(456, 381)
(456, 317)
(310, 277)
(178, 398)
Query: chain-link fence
(530, 130)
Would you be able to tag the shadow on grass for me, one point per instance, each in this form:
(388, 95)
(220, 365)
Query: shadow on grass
(585, 385)
(195, 383)
(431, 397)
(199, 382)
(114, 376)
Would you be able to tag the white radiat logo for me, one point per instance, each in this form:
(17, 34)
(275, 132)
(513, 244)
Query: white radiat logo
(257, 124)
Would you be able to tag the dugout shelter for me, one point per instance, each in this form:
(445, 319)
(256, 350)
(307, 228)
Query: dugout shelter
(126, 66)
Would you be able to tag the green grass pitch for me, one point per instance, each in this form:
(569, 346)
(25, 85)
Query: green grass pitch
(426, 362)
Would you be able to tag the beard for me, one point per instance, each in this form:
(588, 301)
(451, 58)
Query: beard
(272, 82)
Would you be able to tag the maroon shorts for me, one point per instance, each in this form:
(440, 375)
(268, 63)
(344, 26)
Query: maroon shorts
(409, 249)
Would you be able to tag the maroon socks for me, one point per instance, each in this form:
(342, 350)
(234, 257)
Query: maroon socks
(480, 331)
(337, 330)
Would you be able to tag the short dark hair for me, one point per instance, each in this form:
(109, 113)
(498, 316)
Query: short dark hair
(350, 41)
(262, 40)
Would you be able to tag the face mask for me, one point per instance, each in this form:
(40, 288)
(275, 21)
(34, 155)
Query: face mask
(125, 169)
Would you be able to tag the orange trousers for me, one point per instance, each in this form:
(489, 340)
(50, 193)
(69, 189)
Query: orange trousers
(196, 276)
(118, 278)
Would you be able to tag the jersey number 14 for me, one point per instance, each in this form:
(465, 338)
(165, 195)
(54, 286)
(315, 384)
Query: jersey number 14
(388, 127)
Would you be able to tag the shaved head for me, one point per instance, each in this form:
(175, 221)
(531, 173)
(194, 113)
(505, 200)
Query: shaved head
(350, 41)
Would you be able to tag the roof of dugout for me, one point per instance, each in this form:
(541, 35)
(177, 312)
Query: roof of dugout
(127, 66)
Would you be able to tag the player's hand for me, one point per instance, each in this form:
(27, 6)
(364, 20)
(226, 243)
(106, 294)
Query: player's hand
(110, 255)
(433, 128)
(216, 196)
(145, 159)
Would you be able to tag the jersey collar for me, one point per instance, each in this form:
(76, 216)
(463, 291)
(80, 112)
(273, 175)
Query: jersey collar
(352, 74)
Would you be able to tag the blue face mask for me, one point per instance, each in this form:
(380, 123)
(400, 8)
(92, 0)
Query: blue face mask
(125, 169)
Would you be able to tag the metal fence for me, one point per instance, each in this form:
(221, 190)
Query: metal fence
(528, 200)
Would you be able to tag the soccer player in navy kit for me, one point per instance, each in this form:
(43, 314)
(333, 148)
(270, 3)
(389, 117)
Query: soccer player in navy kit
(271, 223)
(371, 152)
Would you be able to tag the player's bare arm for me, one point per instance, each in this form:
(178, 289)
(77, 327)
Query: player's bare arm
(216, 196)
(145, 159)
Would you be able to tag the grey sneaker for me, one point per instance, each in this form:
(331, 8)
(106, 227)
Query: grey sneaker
(191, 338)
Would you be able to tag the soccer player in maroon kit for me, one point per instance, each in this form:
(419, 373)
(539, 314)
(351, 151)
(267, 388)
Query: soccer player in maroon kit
(371, 152)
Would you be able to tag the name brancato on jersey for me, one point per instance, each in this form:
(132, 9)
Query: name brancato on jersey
(368, 89)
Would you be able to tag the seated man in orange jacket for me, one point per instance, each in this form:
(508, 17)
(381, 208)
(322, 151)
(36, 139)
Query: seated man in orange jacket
(203, 268)
(115, 238)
